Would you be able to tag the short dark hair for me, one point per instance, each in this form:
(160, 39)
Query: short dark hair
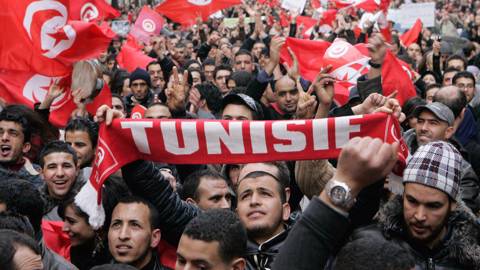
(191, 183)
(243, 52)
(456, 104)
(283, 177)
(221, 67)
(457, 57)
(21, 197)
(358, 254)
(190, 76)
(155, 62)
(16, 222)
(153, 215)
(211, 94)
(9, 114)
(10, 241)
(209, 62)
(463, 74)
(84, 124)
(448, 70)
(222, 226)
(56, 147)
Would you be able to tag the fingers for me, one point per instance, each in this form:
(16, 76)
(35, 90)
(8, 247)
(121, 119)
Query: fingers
(185, 78)
(393, 95)
(292, 54)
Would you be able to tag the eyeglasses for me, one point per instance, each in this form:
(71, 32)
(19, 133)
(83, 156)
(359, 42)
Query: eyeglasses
(139, 84)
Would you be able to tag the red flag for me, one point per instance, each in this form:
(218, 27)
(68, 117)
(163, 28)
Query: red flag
(366, 5)
(395, 78)
(138, 111)
(270, 3)
(130, 58)
(411, 36)
(92, 10)
(284, 19)
(309, 54)
(315, 4)
(30, 88)
(186, 11)
(103, 98)
(42, 40)
(328, 16)
(55, 238)
(132, 42)
(387, 33)
(147, 24)
(308, 25)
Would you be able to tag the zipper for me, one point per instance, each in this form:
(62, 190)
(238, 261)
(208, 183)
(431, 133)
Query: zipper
(430, 264)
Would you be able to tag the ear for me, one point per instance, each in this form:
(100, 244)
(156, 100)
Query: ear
(286, 211)
(26, 147)
(238, 264)
(449, 132)
(156, 236)
(191, 201)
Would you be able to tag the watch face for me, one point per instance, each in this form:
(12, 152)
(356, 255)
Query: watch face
(338, 193)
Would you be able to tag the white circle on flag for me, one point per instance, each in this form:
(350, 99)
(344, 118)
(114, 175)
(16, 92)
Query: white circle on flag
(100, 156)
(148, 25)
(88, 12)
(337, 49)
(136, 115)
(200, 2)
(36, 89)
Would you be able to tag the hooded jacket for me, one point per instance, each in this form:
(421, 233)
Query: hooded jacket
(260, 257)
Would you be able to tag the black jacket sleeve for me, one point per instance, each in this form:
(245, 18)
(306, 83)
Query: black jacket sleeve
(145, 180)
(313, 239)
(203, 51)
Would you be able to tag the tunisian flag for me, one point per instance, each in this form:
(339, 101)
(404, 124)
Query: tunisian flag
(92, 10)
(147, 24)
(185, 11)
(308, 25)
(411, 36)
(395, 77)
(131, 58)
(30, 88)
(42, 40)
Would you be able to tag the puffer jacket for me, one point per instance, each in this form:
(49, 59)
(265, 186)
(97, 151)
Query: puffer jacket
(459, 250)
(260, 257)
(145, 180)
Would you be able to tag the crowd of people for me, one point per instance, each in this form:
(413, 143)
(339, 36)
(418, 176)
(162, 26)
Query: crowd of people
(348, 213)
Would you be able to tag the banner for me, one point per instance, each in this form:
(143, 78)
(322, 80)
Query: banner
(407, 15)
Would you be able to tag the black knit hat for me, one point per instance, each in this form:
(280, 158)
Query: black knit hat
(140, 74)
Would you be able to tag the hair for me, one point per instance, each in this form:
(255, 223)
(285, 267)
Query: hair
(190, 185)
(190, 76)
(222, 226)
(71, 202)
(450, 69)
(211, 94)
(457, 57)
(358, 254)
(463, 74)
(114, 95)
(154, 62)
(158, 104)
(283, 177)
(209, 62)
(456, 104)
(428, 72)
(191, 61)
(241, 78)
(411, 104)
(221, 67)
(10, 115)
(84, 124)
(21, 197)
(114, 266)
(153, 212)
(118, 77)
(243, 52)
(16, 222)
(57, 147)
(10, 241)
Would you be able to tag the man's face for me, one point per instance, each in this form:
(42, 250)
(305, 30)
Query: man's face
(456, 63)
(158, 112)
(195, 254)
(429, 128)
(189, 48)
(430, 93)
(447, 78)
(221, 80)
(213, 193)
(139, 89)
(237, 112)
(260, 207)
(179, 54)
(467, 86)
(196, 78)
(81, 143)
(425, 211)
(26, 259)
(208, 71)
(156, 75)
(117, 105)
(12, 146)
(257, 49)
(243, 62)
(414, 51)
(59, 172)
(287, 95)
(130, 236)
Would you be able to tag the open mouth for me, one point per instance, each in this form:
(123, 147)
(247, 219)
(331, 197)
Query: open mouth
(5, 150)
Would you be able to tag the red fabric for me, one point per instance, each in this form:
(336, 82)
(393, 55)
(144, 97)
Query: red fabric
(103, 98)
(147, 24)
(55, 238)
(309, 54)
(167, 253)
(130, 58)
(387, 33)
(218, 141)
(347, 61)
(186, 11)
(53, 52)
(315, 4)
(284, 19)
(328, 17)
(132, 42)
(30, 88)
(138, 111)
(308, 25)
(92, 10)
(395, 77)
(411, 36)
(367, 5)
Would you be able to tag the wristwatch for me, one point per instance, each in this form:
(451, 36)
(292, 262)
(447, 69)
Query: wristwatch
(340, 194)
